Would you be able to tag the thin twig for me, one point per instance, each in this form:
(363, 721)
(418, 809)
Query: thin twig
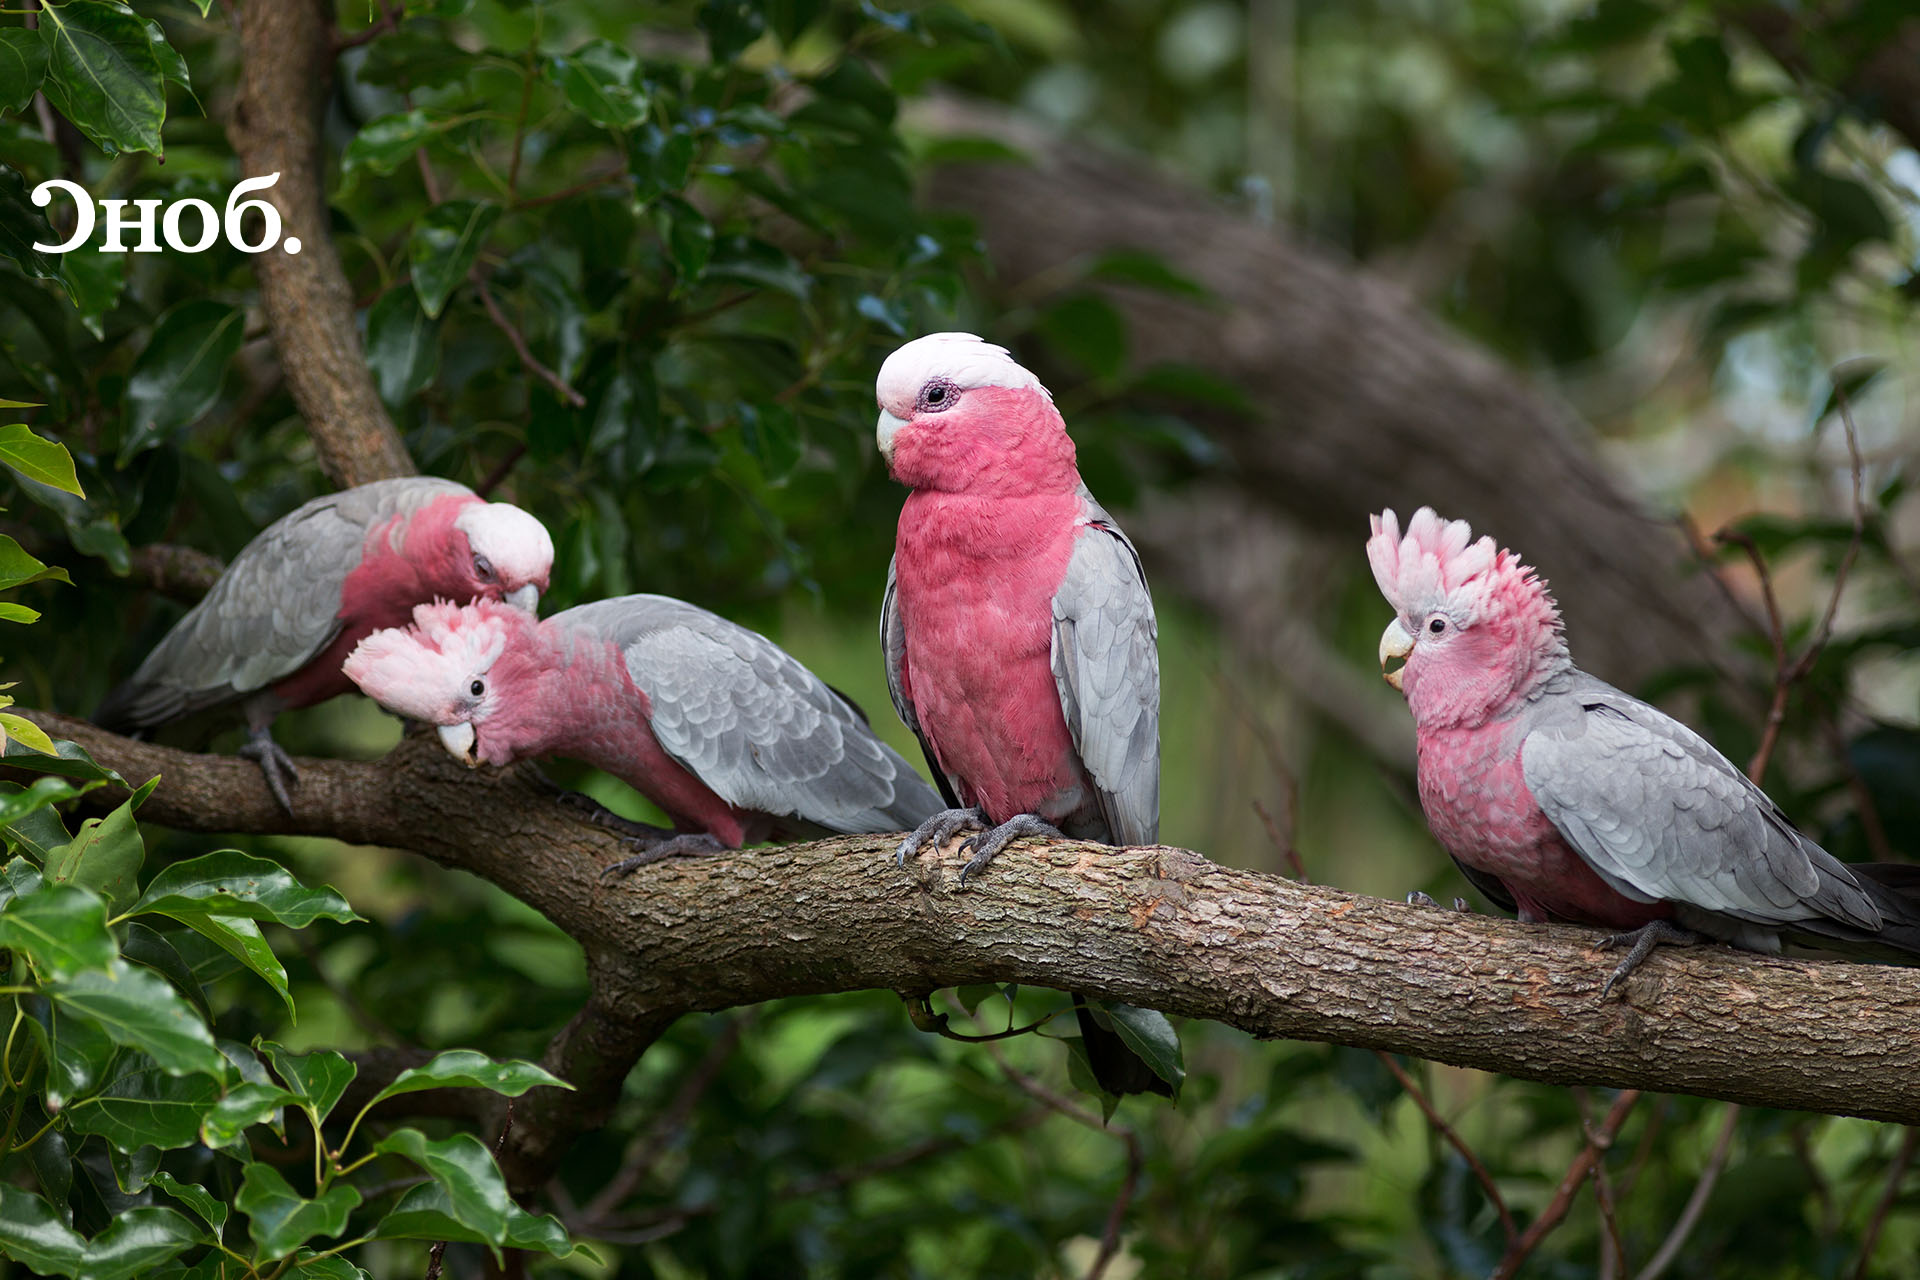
(1613, 1250)
(1454, 1140)
(1897, 1173)
(1129, 1184)
(648, 1145)
(1697, 1202)
(518, 340)
(501, 470)
(1583, 1164)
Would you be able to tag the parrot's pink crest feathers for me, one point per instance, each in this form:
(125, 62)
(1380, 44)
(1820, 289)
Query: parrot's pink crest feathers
(1437, 566)
(424, 671)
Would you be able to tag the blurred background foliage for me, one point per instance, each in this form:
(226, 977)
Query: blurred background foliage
(701, 219)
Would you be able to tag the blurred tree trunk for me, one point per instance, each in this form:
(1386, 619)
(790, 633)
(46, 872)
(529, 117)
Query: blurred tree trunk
(1364, 401)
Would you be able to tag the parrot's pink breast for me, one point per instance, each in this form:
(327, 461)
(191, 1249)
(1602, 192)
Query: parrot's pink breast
(975, 581)
(1477, 802)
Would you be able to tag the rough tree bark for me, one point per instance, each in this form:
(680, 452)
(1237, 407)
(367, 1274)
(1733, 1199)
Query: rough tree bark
(287, 54)
(1363, 400)
(1160, 927)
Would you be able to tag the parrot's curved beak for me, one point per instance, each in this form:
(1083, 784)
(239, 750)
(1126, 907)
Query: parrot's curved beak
(1395, 643)
(526, 599)
(458, 739)
(884, 432)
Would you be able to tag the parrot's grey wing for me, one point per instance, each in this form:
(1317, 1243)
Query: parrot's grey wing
(893, 646)
(271, 612)
(1660, 814)
(1106, 665)
(766, 734)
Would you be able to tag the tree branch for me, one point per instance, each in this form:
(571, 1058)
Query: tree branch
(287, 53)
(1159, 927)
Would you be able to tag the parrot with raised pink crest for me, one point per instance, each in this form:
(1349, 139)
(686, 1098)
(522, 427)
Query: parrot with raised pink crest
(272, 632)
(1579, 802)
(1017, 628)
(721, 728)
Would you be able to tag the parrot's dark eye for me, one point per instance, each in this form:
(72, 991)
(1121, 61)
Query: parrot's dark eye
(1437, 625)
(477, 688)
(483, 568)
(936, 396)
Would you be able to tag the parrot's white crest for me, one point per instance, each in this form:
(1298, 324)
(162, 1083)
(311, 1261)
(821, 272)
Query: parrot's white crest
(427, 671)
(965, 360)
(515, 545)
(1438, 567)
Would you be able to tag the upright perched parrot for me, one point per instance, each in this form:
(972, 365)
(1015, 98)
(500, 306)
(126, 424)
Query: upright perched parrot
(1018, 632)
(1579, 802)
(272, 632)
(716, 724)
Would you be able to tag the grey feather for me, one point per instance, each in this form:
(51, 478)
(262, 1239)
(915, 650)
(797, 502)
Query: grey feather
(893, 646)
(270, 613)
(1661, 815)
(746, 718)
(1106, 665)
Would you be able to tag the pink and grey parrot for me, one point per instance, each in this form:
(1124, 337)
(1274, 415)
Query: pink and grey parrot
(1018, 632)
(272, 632)
(717, 725)
(1578, 802)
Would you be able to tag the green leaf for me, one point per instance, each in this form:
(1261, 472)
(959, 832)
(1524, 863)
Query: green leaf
(1148, 1033)
(61, 928)
(38, 833)
(16, 728)
(78, 1051)
(195, 1197)
(476, 1193)
(177, 378)
(232, 883)
(105, 856)
(443, 247)
(1090, 331)
(688, 234)
(17, 805)
(138, 1240)
(602, 82)
(384, 144)
(403, 346)
(33, 1234)
(244, 1106)
(279, 1220)
(772, 437)
(146, 1106)
(310, 1266)
(17, 568)
(23, 225)
(69, 760)
(94, 283)
(463, 1068)
(138, 1008)
(426, 1213)
(10, 612)
(148, 947)
(104, 75)
(319, 1077)
(23, 61)
(240, 938)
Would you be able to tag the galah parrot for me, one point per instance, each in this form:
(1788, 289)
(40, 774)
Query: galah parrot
(272, 632)
(1580, 803)
(717, 725)
(1018, 632)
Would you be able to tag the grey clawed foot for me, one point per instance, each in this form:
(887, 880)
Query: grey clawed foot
(276, 766)
(697, 845)
(939, 829)
(987, 845)
(600, 816)
(1642, 941)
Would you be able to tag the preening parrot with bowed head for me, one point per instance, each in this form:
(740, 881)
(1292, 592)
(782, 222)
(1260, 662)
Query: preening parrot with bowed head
(1017, 628)
(1584, 804)
(272, 632)
(717, 725)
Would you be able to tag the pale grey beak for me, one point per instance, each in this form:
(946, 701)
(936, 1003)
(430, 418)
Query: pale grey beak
(458, 739)
(884, 432)
(526, 599)
(1395, 643)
